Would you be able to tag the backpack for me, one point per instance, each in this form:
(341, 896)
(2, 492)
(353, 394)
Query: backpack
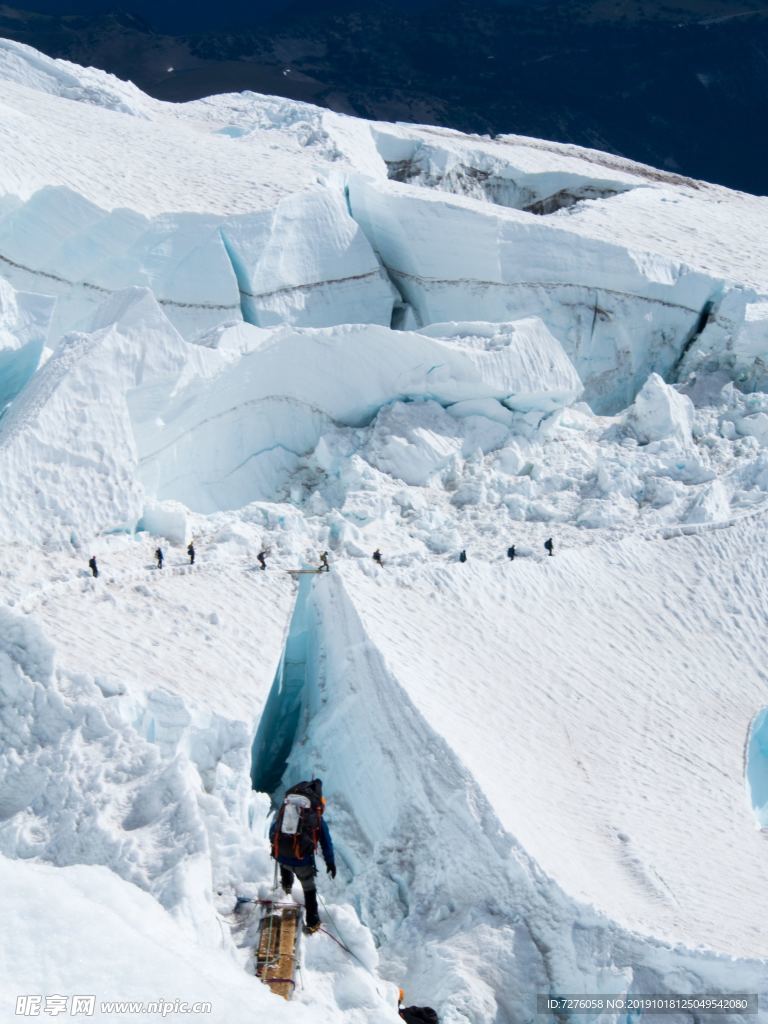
(298, 821)
(419, 1015)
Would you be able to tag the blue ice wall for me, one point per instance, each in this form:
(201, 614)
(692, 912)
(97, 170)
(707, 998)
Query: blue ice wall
(757, 767)
(284, 713)
(16, 368)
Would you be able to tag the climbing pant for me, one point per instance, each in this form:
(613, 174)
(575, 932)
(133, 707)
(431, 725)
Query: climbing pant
(307, 878)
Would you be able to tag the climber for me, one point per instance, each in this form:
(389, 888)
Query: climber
(416, 1014)
(159, 557)
(324, 562)
(261, 558)
(548, 544)
(294, 835)
(463, 555)
(191, 552)
(92, 566)
(377, 557)
(511, 552)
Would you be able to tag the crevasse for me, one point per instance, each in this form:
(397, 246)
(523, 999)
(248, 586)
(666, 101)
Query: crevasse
(284, 716)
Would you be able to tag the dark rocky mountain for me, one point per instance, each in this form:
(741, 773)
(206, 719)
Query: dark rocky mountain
(681, 84)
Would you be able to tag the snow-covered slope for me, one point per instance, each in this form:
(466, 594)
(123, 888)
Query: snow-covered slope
(129, 952)
(507, 746)
(603, 700)
(262, 326)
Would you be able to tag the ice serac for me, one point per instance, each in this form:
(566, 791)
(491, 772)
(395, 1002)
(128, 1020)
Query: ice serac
(241, 439)
(659, 412)
(413, 441)
(505, 175)
(711, 504)
(24, 323)
(61, 243)
(743, 353)
(523, 357)
(304, 261)
(307, 263)
(167, 519)
(620, 314)
(159, 418)
(69, 444)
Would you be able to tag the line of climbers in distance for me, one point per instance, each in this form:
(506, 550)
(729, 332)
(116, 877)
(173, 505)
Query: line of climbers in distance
(378, 558)
(549, 546)
(261, 558)
(297, 828)
(324, 566)
(93, 565)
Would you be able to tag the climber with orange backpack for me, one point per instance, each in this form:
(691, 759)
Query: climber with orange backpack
(294, 834)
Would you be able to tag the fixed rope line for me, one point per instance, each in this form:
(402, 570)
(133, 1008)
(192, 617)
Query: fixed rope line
(340, 940)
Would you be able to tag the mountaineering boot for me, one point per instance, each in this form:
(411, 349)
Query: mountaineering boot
(313, 917)
(310, 929)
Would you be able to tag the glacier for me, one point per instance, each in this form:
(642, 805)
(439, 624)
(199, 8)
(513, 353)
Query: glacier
(265, 327)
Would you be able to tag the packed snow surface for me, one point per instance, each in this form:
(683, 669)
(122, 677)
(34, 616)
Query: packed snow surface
(274, 331)
(601, 739)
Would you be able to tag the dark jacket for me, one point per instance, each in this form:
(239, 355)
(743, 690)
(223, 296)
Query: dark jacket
(326, 846)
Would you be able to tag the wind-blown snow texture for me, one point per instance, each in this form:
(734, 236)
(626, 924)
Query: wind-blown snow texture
(259, 325)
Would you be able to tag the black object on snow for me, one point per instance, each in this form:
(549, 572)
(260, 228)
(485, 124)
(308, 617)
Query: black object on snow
(419, 1015)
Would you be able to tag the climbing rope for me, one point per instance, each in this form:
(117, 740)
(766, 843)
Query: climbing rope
(340, 943)
(340, 940)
